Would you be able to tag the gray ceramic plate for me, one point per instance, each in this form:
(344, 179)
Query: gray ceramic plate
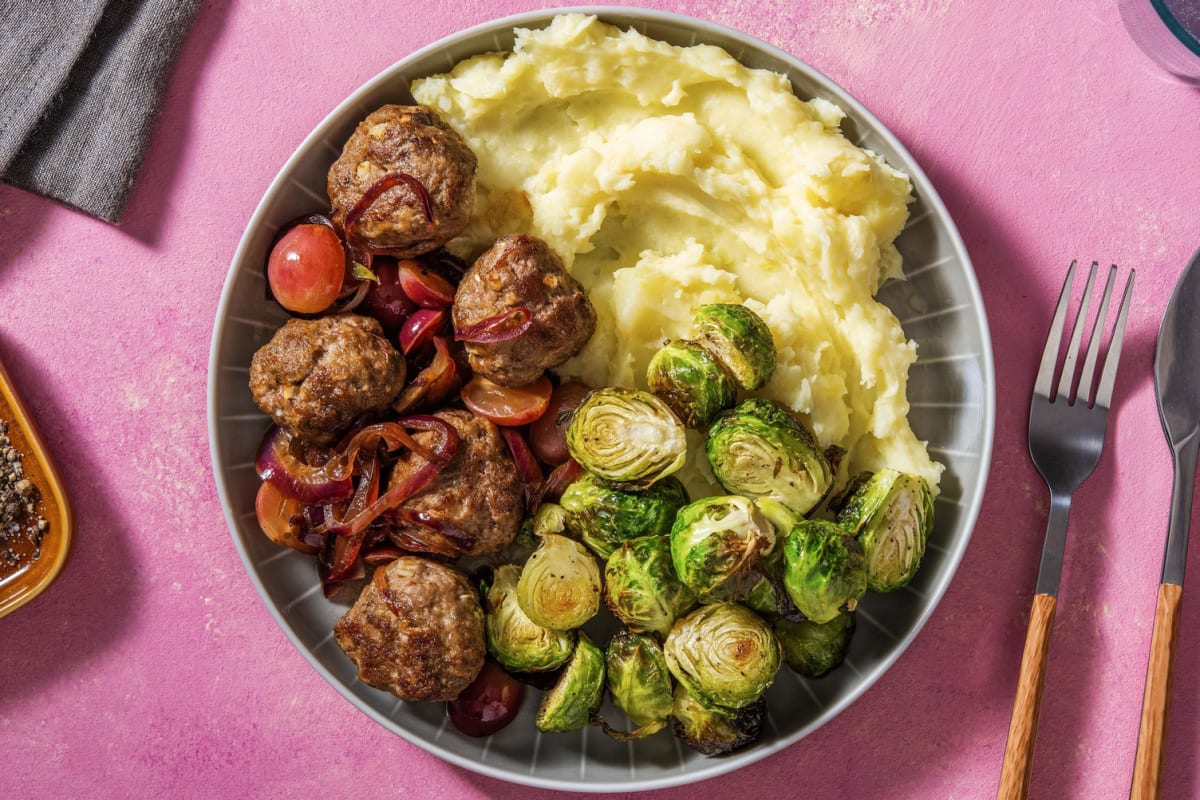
(951, 390)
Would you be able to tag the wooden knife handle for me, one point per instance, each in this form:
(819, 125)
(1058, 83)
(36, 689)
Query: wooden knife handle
(1152, 734)
(1022, 730)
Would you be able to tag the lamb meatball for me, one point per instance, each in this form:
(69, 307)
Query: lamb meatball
(523, 271)
(415, 631)
(480, 493)
(316, 376)
(415, 141)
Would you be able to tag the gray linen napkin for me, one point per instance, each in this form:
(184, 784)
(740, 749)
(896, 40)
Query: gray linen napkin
(80, 86)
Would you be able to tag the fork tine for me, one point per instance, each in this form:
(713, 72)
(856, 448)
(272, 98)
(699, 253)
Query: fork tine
(1045, 376)
(1109, 375)
(1093, 353)
(1085, 307)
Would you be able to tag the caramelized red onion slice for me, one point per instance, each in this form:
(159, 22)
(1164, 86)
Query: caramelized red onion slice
(433, 384)
(340, 555)
(328, 483)
(500, 328)
(448, 539)
(376, 190)
(527, 465)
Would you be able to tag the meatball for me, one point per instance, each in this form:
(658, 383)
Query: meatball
(412, 140)
(522, 271)
(478, 497)
(415, 631)
(316, 376)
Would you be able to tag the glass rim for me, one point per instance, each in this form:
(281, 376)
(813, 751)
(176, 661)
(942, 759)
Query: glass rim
(1181, 33)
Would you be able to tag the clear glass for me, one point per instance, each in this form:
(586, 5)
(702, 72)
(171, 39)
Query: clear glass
(1169, 32)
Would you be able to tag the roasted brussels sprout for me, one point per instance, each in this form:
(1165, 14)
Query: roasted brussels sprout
(739, 340)
(639, 681)
(814, 648)
(628, 437)
(691, 382)
(549, 518)
(513, 638)
(716, 544)
(641, 588)
(714, 733)
(576, 696)
(759, 449)
(559, 586)
(824, 569)
(724, 653)
(603, 517)
(891, 513)
(782, 519)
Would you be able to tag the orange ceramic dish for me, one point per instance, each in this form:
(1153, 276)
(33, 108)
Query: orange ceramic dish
(31, 577)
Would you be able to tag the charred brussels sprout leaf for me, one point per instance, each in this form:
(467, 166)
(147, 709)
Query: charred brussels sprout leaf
(691, 382)
(604, 517)
(716, 544)
(572, 701)
(891, 514)
(513, 638)
(724, 653)
(824, 569)
(628, 437)
(638, 682)
(714, 733)
(641, 588)
(814, 648)
(759, 449)
(559, 586)
(739, 340)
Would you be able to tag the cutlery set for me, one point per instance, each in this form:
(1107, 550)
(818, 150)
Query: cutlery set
(1067, 423)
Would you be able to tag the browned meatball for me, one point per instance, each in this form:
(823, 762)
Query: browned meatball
(522, 271)
(415, 141)
(316, 376)
(479, 493)
(416, 630)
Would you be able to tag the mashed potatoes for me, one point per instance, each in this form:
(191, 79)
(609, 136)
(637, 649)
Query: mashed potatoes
(667, 178)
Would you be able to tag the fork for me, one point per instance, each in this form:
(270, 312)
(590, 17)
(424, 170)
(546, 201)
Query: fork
(1066, 436)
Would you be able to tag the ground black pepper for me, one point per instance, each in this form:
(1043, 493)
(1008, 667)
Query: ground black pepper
(21, 526)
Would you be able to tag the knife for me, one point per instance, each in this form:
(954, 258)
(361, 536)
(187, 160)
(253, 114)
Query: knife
(1177, 387)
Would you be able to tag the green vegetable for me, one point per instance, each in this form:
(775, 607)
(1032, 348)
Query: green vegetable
(604, 517)
(576, 696)
(712, 732)
(691, 382)
(716, 544)
(825, 572)
(639, 681)
(739, 340)
(759, 449)
(559, 587)
(724, 653)
(513, 638)
(814, 648)
(628, 437)
(641, 588)
(891, 513)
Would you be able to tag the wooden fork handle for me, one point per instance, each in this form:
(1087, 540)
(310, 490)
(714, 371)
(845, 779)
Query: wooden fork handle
(1152, 734)
(1022, 730)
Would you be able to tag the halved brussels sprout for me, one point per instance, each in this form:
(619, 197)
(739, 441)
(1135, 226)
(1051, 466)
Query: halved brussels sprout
(626, 436)
(691, 382)
(549, 518)
(782, 519)
(572, 701)
(724, 653)
(559, 587)
(824, 569)
(641, 588)
(513, 638)
(759, 449)
(814, 648)
(739, 340)
(716, 544)
(639, 682)
(604, 517)
(714, 733)
(891, 513)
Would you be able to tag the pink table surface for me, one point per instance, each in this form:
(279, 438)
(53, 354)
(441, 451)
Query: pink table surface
(151, 667)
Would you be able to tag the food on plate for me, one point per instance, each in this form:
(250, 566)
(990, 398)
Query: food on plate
(724, 654)
(641, 588)
(825, 572)
(691, 382)
(576, 696)
(717, 544)
(891, 513)
(814, 648)
(559, 587)
(404, 184)
(627, 437)
(316, 376)
(639, 682)
(475, 504)
(513, 638)
(416, 630)
(519, 312)
(603, 517)
(712, 732)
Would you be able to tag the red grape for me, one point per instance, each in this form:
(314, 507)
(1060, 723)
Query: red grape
(386, 301)
(489, 703)
(547, 435)
(505, 405)
(306, 268)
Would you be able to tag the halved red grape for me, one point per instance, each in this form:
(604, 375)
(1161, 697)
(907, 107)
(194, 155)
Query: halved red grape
(424, 286)
(489, 703)
(547, 434)
(386, 300)
(280, 517)
(505, 405)
(420, 328)
(306, 268)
